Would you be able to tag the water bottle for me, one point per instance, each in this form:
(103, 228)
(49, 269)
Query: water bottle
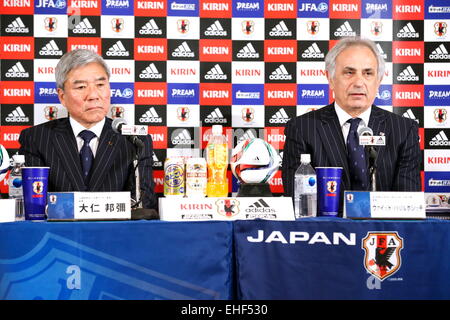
(15, 185)
(217, 163)
(305, 189)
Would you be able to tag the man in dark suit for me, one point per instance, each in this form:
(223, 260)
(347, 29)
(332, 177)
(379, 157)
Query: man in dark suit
(82, 151)
(354, 70)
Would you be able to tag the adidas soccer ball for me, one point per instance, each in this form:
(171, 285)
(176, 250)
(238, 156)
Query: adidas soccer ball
(4, 162)
(254, 161)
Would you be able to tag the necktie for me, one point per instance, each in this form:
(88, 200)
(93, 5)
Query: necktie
(356, 158)
(86, 155)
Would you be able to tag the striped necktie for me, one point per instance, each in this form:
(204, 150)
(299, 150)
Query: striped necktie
(86, 155)
(356, 158)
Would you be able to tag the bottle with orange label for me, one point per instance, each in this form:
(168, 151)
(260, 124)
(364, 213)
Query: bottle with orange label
(217, 163)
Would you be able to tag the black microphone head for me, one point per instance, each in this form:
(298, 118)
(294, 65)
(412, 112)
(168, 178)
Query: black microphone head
(365, 131)
(117, 124)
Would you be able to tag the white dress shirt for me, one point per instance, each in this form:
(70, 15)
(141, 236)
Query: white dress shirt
(97, 129)
(343, 116)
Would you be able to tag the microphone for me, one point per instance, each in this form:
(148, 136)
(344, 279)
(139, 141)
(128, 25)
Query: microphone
(365, 131)
(118, 126)
(368, 132)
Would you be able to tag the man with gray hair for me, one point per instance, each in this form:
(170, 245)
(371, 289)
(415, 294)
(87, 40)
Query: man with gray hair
(354, 70)
(83, 151)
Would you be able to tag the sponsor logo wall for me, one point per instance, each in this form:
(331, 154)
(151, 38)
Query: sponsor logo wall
(251, 65)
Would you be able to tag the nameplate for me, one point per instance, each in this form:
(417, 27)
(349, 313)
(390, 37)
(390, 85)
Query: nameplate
(384, 205)
(241, 208)
(88, 206)
(7, 210)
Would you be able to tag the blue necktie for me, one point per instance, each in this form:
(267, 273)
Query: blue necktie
(86, 155)
(356, 158)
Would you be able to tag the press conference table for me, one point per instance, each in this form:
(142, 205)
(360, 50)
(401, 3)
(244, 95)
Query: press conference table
(315, 258)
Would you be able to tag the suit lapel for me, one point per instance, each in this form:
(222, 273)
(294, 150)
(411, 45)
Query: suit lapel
(66, 147)
(333, 142)
(106, 152)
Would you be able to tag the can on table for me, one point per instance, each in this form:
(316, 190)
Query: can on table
(196, 177)
(174, 184)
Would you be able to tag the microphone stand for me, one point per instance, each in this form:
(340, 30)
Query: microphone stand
(373, 154)
(137, 210)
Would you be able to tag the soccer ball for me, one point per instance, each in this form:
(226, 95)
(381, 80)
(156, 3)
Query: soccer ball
(254, 161)
(4, 162)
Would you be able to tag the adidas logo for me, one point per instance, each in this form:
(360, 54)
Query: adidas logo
(440, 53)
(313, 51)
(50, 49)
(84, 27)
(408, 75)
(215, 117)
(249, 134)
(280, 117)
(280, 30)
(150, 72)
(345, 30)
(17, 71)
(151, 116)
(17, 115)
(156, 161)
(381, 51)
(248, 51)
(17, 26)
(280, 73)
(117, 50)
(408, 31)
(150, 28)
(410, 115)
(184, 51)
(440, 140)
(183, 137)
(216, 73)
(215, 29)
(260, 206)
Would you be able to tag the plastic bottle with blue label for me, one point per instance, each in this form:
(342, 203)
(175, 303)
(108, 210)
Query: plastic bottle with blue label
(15, 185)
(305, 189)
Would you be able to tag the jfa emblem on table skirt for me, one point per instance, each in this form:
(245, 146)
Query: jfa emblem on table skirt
(382, 253)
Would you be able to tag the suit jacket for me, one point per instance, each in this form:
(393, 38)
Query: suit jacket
(319, 134)
(53, 144)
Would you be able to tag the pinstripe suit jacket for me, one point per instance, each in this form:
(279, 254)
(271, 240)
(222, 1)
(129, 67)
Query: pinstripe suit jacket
(53, 144)
(319, 134)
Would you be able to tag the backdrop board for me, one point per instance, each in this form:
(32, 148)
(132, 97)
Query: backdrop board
(250, 65)
(116, 260)
(334, 258)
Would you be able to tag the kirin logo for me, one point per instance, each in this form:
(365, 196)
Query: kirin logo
(382, 253)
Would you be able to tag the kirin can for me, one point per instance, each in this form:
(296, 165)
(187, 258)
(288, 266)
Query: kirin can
(174, 184)
(196, 177)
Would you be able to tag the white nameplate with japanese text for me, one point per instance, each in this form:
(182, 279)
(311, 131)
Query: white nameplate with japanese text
(241, 208)
(384, 205)
(89, 206)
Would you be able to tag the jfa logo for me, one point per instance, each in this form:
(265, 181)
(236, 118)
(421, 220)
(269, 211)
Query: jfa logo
(227, 207)
(382, 253)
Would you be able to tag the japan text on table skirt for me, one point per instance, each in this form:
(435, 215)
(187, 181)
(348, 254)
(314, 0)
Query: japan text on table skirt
(116, 260)
(331, 258)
